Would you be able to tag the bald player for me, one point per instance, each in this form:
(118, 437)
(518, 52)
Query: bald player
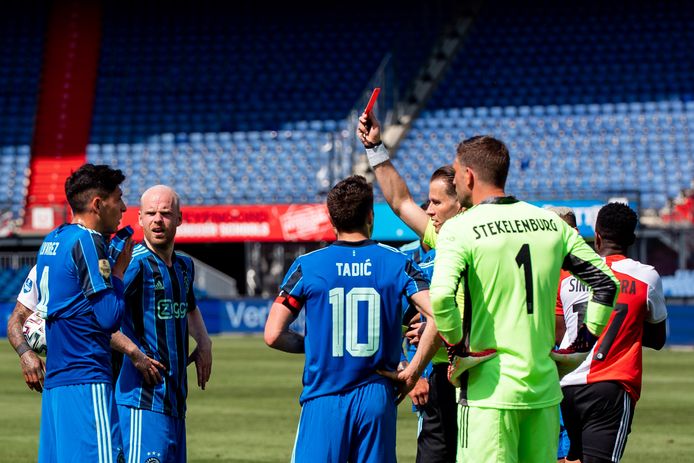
(160, 314)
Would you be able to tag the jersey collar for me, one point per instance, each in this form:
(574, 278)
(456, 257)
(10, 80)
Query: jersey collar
(354, 244)
(614, 258)
(173, 256)
(500, 200)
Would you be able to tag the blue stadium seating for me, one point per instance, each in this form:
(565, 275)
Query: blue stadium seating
(241, 97)
(225, 168)
(591, 98)
(11, 281)
(681, 284)
(22, 27)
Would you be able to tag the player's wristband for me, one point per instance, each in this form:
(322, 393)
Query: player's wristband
(377, 155)
(22, 348)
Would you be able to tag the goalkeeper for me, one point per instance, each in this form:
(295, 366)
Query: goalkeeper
(506, 255)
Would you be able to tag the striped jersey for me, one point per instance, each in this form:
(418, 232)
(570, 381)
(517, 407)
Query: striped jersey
(352, 296)
(158, 299)
(572, 300)
(425, 260)
(505, 255)
(616, 355)
(426, 263)
(73, 272)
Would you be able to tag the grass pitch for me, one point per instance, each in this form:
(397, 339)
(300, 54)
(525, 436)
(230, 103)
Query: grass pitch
(250, 409)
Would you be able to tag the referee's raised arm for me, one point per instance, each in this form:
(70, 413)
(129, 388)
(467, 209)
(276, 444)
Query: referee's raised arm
(392, 185)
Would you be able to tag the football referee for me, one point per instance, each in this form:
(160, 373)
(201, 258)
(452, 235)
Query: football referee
(506, 256)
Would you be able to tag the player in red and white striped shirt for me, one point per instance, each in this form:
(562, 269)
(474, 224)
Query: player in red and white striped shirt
(600, 395)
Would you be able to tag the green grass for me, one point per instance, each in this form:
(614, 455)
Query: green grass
(249, 411)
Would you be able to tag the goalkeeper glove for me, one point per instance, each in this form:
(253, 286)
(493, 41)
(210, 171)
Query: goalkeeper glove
(569, 358)
(460, 360)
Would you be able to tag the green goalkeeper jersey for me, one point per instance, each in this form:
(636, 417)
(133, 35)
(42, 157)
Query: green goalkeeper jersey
(429, 239)
(497, 269)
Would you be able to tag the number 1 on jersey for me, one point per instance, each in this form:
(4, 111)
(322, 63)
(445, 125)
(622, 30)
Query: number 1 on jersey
(523, 260)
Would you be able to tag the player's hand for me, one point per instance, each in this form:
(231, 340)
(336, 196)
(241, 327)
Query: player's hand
(150, 368)
(34, 370)
(369, 130)
(123, 260)
(202, 356)
(420, 393)
(404, 381)
(414, 333)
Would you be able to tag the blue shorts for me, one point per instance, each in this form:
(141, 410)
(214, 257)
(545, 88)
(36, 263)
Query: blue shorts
(564, 444)
(79, 423)
(152, 437)
(358, 425)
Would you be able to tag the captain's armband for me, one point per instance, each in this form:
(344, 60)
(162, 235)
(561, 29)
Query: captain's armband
(293, 304)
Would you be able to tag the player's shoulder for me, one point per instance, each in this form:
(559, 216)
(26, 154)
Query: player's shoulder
(84, 234)
(386, 249)
(410, 247)
(315, 255)
(140, 252)
(184, 258)
(637, 270)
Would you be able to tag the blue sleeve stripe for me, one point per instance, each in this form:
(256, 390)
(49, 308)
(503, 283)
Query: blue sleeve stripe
(418, 281)
(176, 349)
(192, 302)
(293, 280)
(83, 274)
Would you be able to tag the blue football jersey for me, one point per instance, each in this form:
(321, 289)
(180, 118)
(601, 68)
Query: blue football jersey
(73, 270)
(352, 296)
(427, 265)
(158, 299)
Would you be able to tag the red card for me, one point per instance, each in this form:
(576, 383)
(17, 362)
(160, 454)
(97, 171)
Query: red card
(372, 100)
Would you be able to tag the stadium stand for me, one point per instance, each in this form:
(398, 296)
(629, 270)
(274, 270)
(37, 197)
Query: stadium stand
(681, 284)
(590, 96)
(11, 280)
(22, 27)
(221, 91)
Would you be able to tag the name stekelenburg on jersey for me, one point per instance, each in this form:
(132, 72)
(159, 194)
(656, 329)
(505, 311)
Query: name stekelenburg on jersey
(513, 226)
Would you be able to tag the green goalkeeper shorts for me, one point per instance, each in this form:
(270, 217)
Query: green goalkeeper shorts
(490, 435)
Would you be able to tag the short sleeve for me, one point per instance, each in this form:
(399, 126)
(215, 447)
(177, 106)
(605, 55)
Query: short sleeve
(29, 295)
(430, 235)
(559, 306)
(192, 302)
(92, 265)
(293, 283)
(657, 311)
(415, 279)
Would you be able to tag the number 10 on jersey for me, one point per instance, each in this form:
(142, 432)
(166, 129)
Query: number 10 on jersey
(345, 315)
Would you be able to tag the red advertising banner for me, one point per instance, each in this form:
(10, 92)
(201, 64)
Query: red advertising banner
(276, 222)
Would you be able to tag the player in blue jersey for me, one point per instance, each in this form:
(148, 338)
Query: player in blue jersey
(82, 297)
(160, 314)
(419, 395)
(438, 432)
(351, 292)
